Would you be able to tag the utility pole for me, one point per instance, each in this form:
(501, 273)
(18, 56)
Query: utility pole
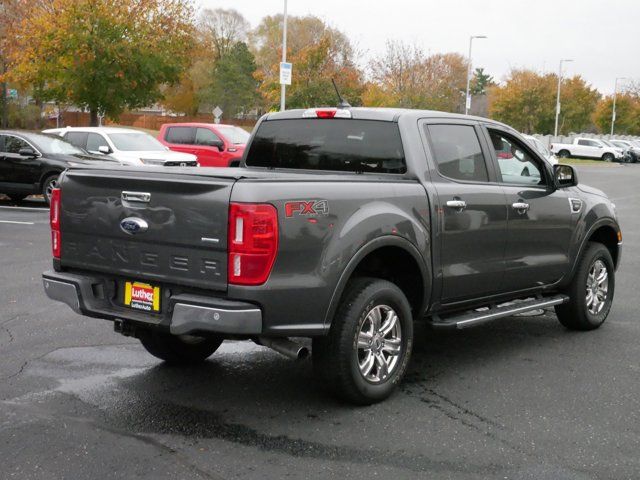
(467, 98)
(555, 130)
(283, 87)
(615, 95)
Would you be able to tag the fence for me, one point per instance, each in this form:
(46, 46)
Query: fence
(140, 120)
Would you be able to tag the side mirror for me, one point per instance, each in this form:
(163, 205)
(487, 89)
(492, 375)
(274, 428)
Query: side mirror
(27, 152)
(565, 176)
(217, 143)
(104, 149)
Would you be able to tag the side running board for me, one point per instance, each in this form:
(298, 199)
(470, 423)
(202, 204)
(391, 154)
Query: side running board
(476, 317)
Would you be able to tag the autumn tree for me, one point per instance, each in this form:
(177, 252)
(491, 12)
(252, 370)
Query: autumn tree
(410, 78)
(318, 53)
(101, 55)
(221, 30)
(627, 114)
(527, 100)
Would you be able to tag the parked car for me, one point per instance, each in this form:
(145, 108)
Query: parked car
(588, 148)
(541, 147)
(30, 163)
(215, 145)
(343, 225)
(132, 147)
(632, 149)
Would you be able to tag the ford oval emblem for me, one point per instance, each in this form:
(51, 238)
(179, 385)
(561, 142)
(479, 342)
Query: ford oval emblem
(133, 225)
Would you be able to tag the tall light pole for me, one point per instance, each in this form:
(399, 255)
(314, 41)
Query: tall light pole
(615, 94)
(283, 87)
(467, 98)
(564, 60)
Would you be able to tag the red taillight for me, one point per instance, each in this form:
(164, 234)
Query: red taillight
(326, 113)
(253, 242)
(54, 221)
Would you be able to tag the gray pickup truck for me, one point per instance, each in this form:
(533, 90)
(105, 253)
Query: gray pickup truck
(343, 225)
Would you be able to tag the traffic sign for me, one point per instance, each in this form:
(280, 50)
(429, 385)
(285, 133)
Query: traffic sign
(217, 113)
(285, 73)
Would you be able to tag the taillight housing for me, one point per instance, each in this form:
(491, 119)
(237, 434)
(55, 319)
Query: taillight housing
(54, 221)
(253, 242)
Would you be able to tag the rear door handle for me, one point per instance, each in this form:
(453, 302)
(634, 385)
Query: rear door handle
(459, 205)
(520, 207)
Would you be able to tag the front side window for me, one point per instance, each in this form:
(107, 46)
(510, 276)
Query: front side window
(206, 137)
(516, 165)
(95, 141)
(14, 144)
(458, 153)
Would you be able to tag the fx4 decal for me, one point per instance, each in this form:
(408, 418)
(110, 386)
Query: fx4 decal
(306, 208)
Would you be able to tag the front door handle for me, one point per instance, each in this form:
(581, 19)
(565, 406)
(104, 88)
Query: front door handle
(520, 207)
(458, 205)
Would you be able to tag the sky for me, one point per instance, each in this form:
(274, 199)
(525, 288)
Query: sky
(602, 37)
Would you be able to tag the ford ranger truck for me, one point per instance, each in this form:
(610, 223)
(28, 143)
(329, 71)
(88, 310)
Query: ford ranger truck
(344, 226)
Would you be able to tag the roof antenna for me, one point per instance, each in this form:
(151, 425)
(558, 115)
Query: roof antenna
(343, 103)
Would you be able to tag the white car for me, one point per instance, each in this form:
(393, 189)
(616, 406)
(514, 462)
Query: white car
(542, 149)
(589, 148)
(131, 147)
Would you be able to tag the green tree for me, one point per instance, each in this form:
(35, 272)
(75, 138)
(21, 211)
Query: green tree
(101, 55)
(481, 82)
(235, 88)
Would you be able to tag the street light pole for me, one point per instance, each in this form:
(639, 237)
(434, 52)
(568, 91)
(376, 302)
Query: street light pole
(555, 131)
(467, 98)
(615, 95)
(283, 87)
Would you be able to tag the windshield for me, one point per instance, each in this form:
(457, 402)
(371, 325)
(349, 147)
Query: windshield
(49, 144)
(235, 135)
(315, 144)
(136, 142)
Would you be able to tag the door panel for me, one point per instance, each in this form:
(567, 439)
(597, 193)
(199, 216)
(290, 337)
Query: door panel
(539, 216)
(471, 214)
(24, 170)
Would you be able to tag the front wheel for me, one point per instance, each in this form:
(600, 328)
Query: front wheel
(608, 157)
(369, 345)
(179, 349)
(591, 290)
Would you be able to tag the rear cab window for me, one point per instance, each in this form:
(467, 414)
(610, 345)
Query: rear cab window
(347, 145)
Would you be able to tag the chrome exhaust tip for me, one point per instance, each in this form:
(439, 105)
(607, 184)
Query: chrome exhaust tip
(285, 347)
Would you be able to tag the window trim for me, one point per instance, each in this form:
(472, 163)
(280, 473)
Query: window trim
(491, 173)
(542, 163)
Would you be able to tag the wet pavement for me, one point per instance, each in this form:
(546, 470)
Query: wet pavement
(520, 398)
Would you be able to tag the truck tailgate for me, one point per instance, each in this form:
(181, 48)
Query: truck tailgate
(185, 241)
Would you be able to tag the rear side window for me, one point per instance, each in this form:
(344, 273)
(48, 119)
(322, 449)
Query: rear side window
(458, 153)
(79, 139)
(181, 135)
(328, 144)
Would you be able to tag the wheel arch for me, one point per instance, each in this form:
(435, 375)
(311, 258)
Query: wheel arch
(604, 231)
(47, 174)
(406, 263)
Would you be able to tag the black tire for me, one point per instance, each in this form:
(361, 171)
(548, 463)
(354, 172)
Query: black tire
(17, 197)
(608, 157)
(575, 315)
(179, 350)
(49, 183)
(564, 154)
(337, 359)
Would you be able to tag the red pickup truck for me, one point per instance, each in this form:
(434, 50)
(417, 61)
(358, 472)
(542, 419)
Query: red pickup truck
(215, 145)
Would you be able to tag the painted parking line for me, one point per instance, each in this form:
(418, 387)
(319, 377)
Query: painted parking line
(16, 222)
(25, 208)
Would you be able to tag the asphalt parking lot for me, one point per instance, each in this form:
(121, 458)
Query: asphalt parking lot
(520, 398)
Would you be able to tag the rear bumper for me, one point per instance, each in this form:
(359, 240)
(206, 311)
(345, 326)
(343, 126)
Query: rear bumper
(184, 313)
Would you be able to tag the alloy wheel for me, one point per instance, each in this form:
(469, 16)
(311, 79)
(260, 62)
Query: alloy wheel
(597, 287)
(379, 344)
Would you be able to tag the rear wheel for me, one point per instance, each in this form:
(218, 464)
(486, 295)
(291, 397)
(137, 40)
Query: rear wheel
(608, 157)
(564, 154)
(48, 185)
(591, 291)
(179, 349)
(368, 348)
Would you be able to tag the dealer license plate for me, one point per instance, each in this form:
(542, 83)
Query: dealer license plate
(142, 296)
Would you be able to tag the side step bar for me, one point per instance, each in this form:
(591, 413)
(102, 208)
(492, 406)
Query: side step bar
(476, 317)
